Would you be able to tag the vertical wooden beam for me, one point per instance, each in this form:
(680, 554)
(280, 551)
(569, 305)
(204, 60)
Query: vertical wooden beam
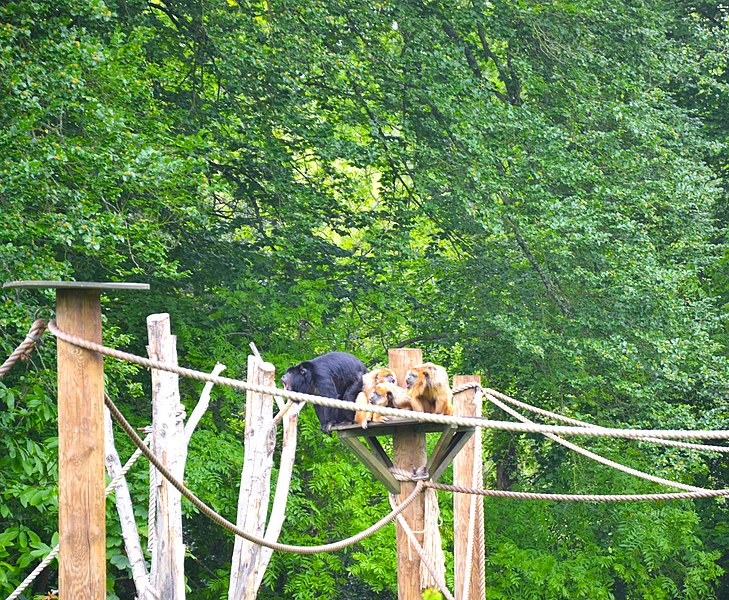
(409, 452)
(468, 404)
(81, 512)
(167, 573)
(255, 484)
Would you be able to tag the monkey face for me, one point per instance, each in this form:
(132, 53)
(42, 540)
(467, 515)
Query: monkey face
(378, 376)
(389, 378)
(410, 379)
(381, 396)
(296, 379)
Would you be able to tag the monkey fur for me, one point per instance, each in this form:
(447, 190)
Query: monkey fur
(428, 389)
(369, 382)
(333, 375)
(389, 394)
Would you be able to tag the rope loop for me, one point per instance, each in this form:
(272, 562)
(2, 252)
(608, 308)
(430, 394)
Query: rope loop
(419, 474)
(466, 386)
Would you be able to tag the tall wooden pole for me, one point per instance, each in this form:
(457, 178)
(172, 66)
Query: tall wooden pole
(255, 483)
(81, 483)
(470, 568)
(81, 511)
(167, 572)
(409, 453)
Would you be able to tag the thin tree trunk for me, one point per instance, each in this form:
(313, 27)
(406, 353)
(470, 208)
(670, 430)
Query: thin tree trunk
(167, 572)
(255, 483)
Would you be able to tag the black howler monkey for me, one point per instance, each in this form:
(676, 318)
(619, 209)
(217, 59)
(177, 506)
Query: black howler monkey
(332, 375)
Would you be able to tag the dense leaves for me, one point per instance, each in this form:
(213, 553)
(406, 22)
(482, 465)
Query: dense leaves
(530, 191)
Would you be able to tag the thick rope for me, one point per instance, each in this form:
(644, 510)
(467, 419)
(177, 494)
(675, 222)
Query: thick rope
(558, 417)
(419, 474)
(596, 457)
(577, 497)
(384, 410)
(225, 524)
(37, 571)
(152, 507)
(53, 553)
(22, 352)
(413, 542)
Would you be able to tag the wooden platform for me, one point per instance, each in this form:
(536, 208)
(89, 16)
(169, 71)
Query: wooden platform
(375, 458)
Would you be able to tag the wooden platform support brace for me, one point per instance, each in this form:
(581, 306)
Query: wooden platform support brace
(470, 567)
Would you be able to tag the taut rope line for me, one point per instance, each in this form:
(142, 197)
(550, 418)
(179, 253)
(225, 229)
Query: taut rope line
(384, 410)
(596, 457)
(578, 497)
(558, 417)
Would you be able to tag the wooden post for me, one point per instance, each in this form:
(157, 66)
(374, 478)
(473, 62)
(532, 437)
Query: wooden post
(283, 485)
(81, 513)
(409, 452)
(255, 485)
(468, 404)
(167, 573)
(81, 506)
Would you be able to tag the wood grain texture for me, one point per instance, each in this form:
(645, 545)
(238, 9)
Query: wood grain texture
(81, 513)
(168, 439)
(255, 485)
(468, 404)
(409, 452)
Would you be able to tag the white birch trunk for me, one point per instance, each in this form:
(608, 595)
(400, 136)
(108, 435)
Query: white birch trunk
(255, 484)
(167, 572)
(125, 509)
(283, 484)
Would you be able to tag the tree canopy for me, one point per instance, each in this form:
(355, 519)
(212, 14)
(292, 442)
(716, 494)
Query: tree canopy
(531, 191)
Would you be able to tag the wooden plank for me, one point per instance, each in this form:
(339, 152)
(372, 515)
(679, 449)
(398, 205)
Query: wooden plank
(441, 449)
(388, 427)
(75, 285)
(409, 454)
(468, 404)
(379, 450)
(81, 511)
(455, 445)
(374, 463)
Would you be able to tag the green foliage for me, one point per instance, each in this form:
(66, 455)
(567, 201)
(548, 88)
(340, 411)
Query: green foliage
(28, 476)
(534, 192)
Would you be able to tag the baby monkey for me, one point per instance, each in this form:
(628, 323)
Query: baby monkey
(369, 382)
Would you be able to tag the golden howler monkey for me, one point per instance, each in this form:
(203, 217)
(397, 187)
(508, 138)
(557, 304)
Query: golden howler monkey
(389, 394)
(369, 382)
(429, 390)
